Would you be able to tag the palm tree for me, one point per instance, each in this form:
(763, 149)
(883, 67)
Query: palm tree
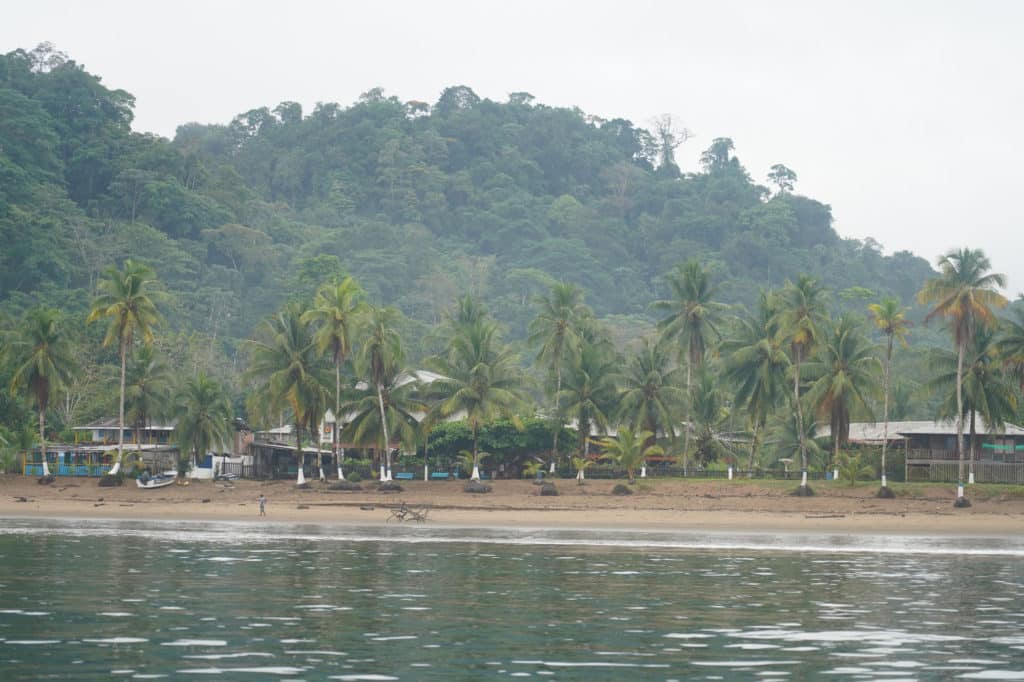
(127, 298)
(381, 356)
(480, 378)
(629, 449)
(590, 392)
(756, 364)
(1010, 346)
(842, 374)
(556, 331)
(335, 314)
(800, 315)
(710, 417)
(42, 363)
(204, 417)
(986, 390)
(888, 315)
(651, 397)
(400, 392)
(964, 294)
(692, 319)
(147, 390)
(289, 374)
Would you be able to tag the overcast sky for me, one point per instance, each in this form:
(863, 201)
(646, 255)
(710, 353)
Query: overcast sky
(906, 117)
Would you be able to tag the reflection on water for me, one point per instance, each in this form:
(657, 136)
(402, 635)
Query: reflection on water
(147, 601)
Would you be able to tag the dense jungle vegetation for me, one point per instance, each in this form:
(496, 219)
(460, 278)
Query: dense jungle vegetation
(421, 204)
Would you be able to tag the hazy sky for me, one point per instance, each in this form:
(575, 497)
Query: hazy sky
(906, 117)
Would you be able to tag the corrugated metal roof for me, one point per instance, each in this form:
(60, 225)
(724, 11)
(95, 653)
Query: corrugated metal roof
(872, 432)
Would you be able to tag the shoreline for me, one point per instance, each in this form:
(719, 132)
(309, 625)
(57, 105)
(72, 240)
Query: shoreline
(672, 505)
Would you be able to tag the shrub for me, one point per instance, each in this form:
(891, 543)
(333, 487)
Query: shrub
(549, 490)
(622, 489)
(477, 487)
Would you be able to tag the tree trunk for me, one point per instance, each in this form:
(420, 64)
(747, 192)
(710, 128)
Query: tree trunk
(885, 405)
(120, 413)
(299, 456)
(753, 450)
(476, 463)
(42, 440)
(686, 424)
(384, 428)
(557, 415)
(972, 439)
(960, 420)
(337, 419)
(341, 459)
(799, 421)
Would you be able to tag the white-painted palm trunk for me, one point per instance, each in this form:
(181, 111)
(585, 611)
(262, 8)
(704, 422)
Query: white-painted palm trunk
(552, 469)
(341, 463)
(803, 478)
(476, 473)
(323, 474)
(730, 473)
(580, 476)
(383, 475)
(959, 491)
(114, 469)
(835, 474)
(643, 471)
(426, 472)
(884, 483)
(970, 478)
(301, 478)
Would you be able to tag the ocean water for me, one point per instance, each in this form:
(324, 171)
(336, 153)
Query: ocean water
(131, 600)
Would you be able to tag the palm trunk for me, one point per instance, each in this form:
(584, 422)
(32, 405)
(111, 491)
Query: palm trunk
(799, 421)
(476, 464)
(753, 450)
(557, 415)
(42, 439)
(120, 413)
(885, 406)
(384, 428)
(960, 421)
(686, 424)
(337, 421)
(299, 456)
(974, 451)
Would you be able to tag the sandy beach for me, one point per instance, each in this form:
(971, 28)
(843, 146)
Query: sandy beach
(661, 505)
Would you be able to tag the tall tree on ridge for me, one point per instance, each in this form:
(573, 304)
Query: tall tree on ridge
(964, 294)
(692, 319)
(127, 298)
(335, 314)
(799, 318)
(889, 316)
(556, 331)
(42, 361)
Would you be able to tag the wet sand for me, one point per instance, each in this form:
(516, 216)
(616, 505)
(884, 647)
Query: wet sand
(657, 505)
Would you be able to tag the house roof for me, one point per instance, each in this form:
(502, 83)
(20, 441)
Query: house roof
(111, 423)
(872, 432)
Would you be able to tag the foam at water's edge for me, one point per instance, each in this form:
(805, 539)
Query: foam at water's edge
(244, 533)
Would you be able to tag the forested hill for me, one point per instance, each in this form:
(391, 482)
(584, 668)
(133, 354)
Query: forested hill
(420, 201)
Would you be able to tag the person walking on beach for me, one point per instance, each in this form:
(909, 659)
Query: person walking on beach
(263, 504)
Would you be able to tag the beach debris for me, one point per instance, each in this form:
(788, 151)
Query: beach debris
(476, 487)
(803, 491)
(302, 506)
(962, 503)
(108, 481)
(46, 480)
(886, 493)
(622, 489)
(366, 508)
(549, 490)
(206, 500)
(98, 504)
(389, 487)
(824, 516)
(404, 512)
(21, 499)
